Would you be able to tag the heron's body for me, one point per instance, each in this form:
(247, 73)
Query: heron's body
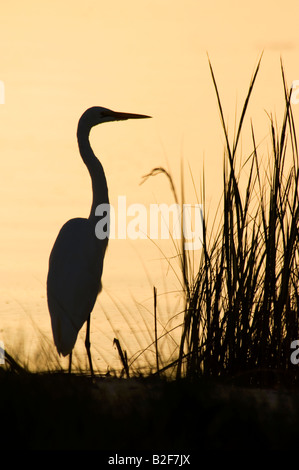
(77, 258)
(74, 280)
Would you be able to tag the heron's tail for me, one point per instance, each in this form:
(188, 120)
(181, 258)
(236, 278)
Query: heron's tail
(65, 335)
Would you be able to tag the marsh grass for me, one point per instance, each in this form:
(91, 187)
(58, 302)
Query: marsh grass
(241, 308)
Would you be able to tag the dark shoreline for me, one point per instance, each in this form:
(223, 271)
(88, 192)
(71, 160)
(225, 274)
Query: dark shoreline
(57, 411)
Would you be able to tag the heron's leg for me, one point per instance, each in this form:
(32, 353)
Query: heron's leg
(87, 345)
(70, 362)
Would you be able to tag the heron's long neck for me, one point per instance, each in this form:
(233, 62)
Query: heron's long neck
(95, 168)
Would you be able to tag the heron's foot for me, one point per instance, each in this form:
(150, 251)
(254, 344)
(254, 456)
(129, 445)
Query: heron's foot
(87, 346)
(70, 363)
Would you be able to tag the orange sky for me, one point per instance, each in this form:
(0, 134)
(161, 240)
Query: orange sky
(149, 56)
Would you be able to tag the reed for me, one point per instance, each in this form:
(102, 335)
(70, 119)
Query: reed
(241, 309)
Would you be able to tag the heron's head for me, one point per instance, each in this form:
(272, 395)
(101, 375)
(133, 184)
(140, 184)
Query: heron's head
(97, 115)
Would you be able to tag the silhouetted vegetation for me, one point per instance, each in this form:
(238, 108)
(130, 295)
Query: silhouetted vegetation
(242, 307)
(241, 315)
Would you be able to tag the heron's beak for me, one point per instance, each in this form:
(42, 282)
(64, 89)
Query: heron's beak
(122, 116)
